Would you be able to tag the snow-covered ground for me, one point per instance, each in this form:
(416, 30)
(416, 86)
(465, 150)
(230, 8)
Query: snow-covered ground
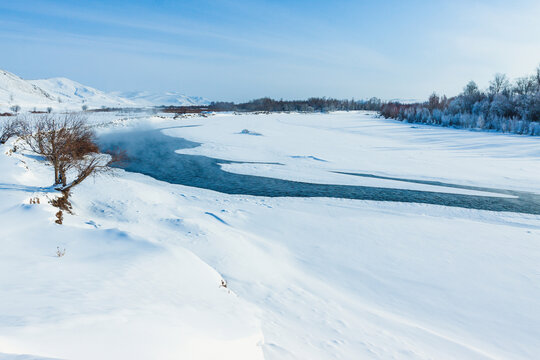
(61, 94)
(76, 95)
(15, 91)
(310, 278)
(169, 98)
(311, 146)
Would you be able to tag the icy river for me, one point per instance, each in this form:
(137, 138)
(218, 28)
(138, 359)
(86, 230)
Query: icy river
(152, 153)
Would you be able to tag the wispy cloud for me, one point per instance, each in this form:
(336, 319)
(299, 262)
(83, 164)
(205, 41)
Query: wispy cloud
(343, 48)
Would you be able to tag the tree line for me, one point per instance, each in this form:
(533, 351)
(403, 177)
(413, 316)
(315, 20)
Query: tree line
(504, 106)
(314, 104)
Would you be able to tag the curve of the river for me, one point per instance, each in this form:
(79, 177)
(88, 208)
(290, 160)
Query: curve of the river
(152, 153)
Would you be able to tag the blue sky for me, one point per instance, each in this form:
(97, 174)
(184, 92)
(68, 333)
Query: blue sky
(239, 50)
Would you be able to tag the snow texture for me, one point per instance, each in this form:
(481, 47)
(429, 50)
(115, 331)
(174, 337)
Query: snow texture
(310, 278)
(170, 98)
(62, 94)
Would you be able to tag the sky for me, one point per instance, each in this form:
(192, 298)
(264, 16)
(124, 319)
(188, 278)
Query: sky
(240, 50)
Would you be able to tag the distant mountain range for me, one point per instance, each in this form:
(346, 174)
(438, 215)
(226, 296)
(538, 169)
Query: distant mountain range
(146, 98)
(66, 94)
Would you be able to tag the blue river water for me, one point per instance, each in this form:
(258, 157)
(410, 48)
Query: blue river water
(152, 153)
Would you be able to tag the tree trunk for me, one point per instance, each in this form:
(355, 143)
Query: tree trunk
(63, 178)
(56, 176)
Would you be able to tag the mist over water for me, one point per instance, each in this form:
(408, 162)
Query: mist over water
(153, 153)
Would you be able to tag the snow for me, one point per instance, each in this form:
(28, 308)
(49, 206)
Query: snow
(359, 142)
(76, 95)
(310, 278)
(169, 98)
(135, 296)
(63, 94)
(16, 91)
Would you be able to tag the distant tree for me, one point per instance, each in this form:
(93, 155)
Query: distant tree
(434, 102)
(536, 78)
(499, 85)
(470, 95)
(15, 108)
(504, 107)
(524, 85)
(85, 107)
(471, 89)
(49, 109)
(10, 128)
(501, 106)
(309, 105)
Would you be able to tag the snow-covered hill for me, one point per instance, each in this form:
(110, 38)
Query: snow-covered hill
(17, 91)
(55, 93)
(70, 92)
(146, 98)
(65, 94)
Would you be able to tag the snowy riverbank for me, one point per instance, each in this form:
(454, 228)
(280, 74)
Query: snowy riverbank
(311, 278)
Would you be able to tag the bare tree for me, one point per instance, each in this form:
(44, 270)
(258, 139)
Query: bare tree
(10, 128)
(536, 78)
(434, 102)
(524, 85)
(69, 145)
(499, 84)
(15, 108)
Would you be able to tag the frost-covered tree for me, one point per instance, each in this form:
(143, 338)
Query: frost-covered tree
(500, 105)
(434, 102)
(524, 86)
(504, 106)
(499, 85)
(470, 95)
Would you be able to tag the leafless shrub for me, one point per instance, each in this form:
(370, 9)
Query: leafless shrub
(10, 128)
(59, 217)
(34, 200)
(62, 202)
(69, 145)
(60, 253)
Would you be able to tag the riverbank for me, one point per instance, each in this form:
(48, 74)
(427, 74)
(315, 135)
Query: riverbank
(314, 278)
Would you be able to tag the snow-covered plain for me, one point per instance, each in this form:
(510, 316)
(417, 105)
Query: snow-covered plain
(312, 147)
(307, 278)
